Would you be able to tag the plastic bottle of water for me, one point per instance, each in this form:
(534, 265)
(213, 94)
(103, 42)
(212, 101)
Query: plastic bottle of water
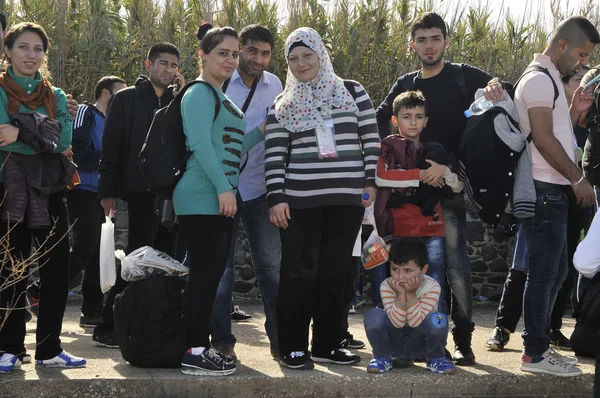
(478, 107)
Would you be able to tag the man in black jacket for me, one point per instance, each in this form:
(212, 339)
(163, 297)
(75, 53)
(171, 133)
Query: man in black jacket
(130, 114)
(449, 90)
(85, 213)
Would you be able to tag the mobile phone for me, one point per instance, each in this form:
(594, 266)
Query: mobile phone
(591, 83)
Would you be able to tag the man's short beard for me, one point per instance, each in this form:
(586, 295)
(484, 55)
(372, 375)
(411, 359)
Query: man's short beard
(245, 67)
(435, 62)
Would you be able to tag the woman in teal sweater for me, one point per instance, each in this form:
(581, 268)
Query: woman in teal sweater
(204, 199)
(23, 89)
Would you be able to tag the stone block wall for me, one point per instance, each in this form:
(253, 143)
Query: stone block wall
(490, 250)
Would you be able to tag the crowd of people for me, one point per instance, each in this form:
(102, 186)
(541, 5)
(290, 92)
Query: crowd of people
(297, 164)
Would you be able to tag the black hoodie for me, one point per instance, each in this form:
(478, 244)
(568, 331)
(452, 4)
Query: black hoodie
(128, 119)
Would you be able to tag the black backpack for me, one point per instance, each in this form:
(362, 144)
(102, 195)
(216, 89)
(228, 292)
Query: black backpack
(584, 339)
(484, 161)
(164, 155)
(149, 326)
(591, 152)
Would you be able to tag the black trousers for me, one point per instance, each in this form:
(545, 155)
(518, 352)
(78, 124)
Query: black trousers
(53, 254)
(578, 219)
(145, 229)
(86, 217)
(315, 268)
(208, 239)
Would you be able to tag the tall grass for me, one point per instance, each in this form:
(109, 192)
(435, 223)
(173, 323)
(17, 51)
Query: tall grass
(368, 40)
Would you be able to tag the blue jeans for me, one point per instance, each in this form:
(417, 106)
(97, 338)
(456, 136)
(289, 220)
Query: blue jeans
(435, 259)
(265, 249)
(426, 340)
(458, 265)
(546, 235)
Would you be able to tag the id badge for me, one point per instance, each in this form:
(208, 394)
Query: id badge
(326, 139)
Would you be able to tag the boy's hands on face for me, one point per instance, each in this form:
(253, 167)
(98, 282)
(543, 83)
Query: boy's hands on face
(412, 284)
(397, 287)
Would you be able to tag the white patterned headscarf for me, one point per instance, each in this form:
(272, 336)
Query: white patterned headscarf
(303, 105)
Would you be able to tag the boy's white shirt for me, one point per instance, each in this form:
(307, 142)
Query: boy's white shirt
(587, 256)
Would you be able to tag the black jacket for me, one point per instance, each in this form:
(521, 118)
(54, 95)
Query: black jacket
(128, 119)
(30, 179)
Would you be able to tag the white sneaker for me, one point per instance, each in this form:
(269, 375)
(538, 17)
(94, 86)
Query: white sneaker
(567, 359)
(9, 362)
(62, 360)
(550, 363)
(352, 310)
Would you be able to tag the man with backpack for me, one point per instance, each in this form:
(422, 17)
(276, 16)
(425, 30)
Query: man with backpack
(449, 89)
(556, 176)
(85, 212)
(253, 90)
(130, 114)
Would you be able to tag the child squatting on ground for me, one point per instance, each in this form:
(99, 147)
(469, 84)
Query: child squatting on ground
(409, 326)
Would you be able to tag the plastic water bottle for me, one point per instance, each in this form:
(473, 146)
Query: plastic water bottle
(478, 107)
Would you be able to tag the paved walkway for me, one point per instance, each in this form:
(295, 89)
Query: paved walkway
(258, 375)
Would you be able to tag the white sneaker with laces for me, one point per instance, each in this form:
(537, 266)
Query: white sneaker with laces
(62, 360)
(9, 362)
(550, 363)
(565, 358)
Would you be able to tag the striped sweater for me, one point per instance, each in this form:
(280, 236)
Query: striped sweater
(410, 314)
(308, 181)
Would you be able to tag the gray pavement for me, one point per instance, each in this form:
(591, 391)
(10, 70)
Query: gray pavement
(258, 375)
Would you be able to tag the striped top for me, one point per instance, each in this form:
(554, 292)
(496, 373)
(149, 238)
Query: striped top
(411, 314)
(308, 181)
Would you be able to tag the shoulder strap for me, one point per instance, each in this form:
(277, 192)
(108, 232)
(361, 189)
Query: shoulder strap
(409, 80)
(250, 94)
(459, 76)
(226, 84)
(349, 84)
(537, 68)
(212, 89)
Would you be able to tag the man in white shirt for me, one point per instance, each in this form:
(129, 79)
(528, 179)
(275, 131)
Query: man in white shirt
(556, 175)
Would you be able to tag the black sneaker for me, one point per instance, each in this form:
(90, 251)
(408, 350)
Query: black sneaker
(338, 357)
(297, 360)
(105, 337)
(239, 315)
(463, 354)
(498, 339)
(90, 321)
(210, 363)
(350, 342)
(559, 340)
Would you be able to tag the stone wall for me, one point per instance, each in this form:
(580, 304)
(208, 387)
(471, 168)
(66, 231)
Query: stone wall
(490, 250)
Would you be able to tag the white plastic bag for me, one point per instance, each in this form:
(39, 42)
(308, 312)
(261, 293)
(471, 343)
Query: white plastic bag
(375, 251)
(108, 268)
(147, 261)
